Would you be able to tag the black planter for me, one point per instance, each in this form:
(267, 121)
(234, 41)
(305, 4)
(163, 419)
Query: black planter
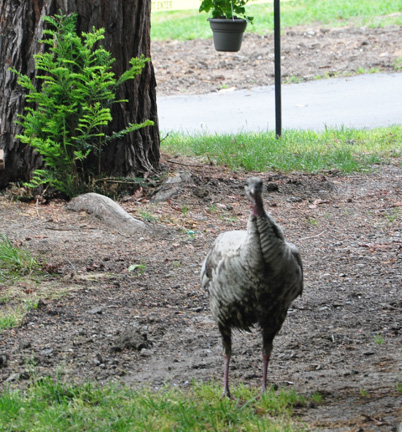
(228, 33)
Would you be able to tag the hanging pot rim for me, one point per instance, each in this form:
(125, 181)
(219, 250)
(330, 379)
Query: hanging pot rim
(225, 19)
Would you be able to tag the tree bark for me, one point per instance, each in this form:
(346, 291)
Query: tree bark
(127, 34)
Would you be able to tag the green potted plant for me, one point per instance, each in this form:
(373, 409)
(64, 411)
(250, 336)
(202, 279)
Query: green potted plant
(228, 22)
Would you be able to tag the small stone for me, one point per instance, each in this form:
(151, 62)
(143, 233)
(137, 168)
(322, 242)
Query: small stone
(97, 310)
(13, 377)
(98, 360)
(3, 360)
(164, 194)
(295, 199)
(145, 353)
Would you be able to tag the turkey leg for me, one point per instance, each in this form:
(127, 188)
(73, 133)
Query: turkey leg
(266, 355)
(265, 362)
(226, 334)
(226, 361)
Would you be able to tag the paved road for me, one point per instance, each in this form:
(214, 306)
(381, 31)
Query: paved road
(364, 101)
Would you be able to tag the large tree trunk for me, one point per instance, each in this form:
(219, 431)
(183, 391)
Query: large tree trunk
(127, 35)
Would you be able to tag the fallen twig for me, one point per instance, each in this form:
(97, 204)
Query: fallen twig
(184, 164)
(309, 237)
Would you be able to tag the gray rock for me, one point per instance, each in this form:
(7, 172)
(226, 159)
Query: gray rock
(96, 311)
(182, 177)
(164, 194)
(47, 352)
(13, 377)
(109, 212)
(171, 187)
(3, 360)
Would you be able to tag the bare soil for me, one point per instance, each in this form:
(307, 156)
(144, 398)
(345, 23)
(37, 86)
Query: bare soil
(131, 309)
(194, 67)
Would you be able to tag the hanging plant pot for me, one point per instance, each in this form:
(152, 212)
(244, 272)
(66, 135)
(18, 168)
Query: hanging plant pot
(228, 33)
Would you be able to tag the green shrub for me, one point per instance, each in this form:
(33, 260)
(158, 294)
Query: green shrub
(70, 104)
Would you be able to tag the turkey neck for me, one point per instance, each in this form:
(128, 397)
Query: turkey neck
(257, 206)
(266, 245)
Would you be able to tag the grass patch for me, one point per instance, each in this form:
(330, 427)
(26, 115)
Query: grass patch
(398, 64)
(327, 75)
(15, 262)
(22, 283)
(190, 24)
(378, 339)
(347, 150)
(50, 406)
(19, 298)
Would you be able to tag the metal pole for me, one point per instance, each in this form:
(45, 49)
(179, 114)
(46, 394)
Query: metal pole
(277, 43)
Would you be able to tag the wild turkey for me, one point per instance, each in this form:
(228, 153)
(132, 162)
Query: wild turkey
(252, 277)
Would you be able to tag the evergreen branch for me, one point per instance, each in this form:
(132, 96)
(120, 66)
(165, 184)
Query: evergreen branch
(68, 106)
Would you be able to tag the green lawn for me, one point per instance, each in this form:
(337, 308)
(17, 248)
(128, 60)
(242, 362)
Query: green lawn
(346, 150)
(57, 406)
(191, 24)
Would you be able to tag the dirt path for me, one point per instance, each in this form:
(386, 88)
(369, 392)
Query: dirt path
(152, 326)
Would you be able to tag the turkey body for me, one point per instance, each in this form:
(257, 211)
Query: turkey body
(252, 277)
